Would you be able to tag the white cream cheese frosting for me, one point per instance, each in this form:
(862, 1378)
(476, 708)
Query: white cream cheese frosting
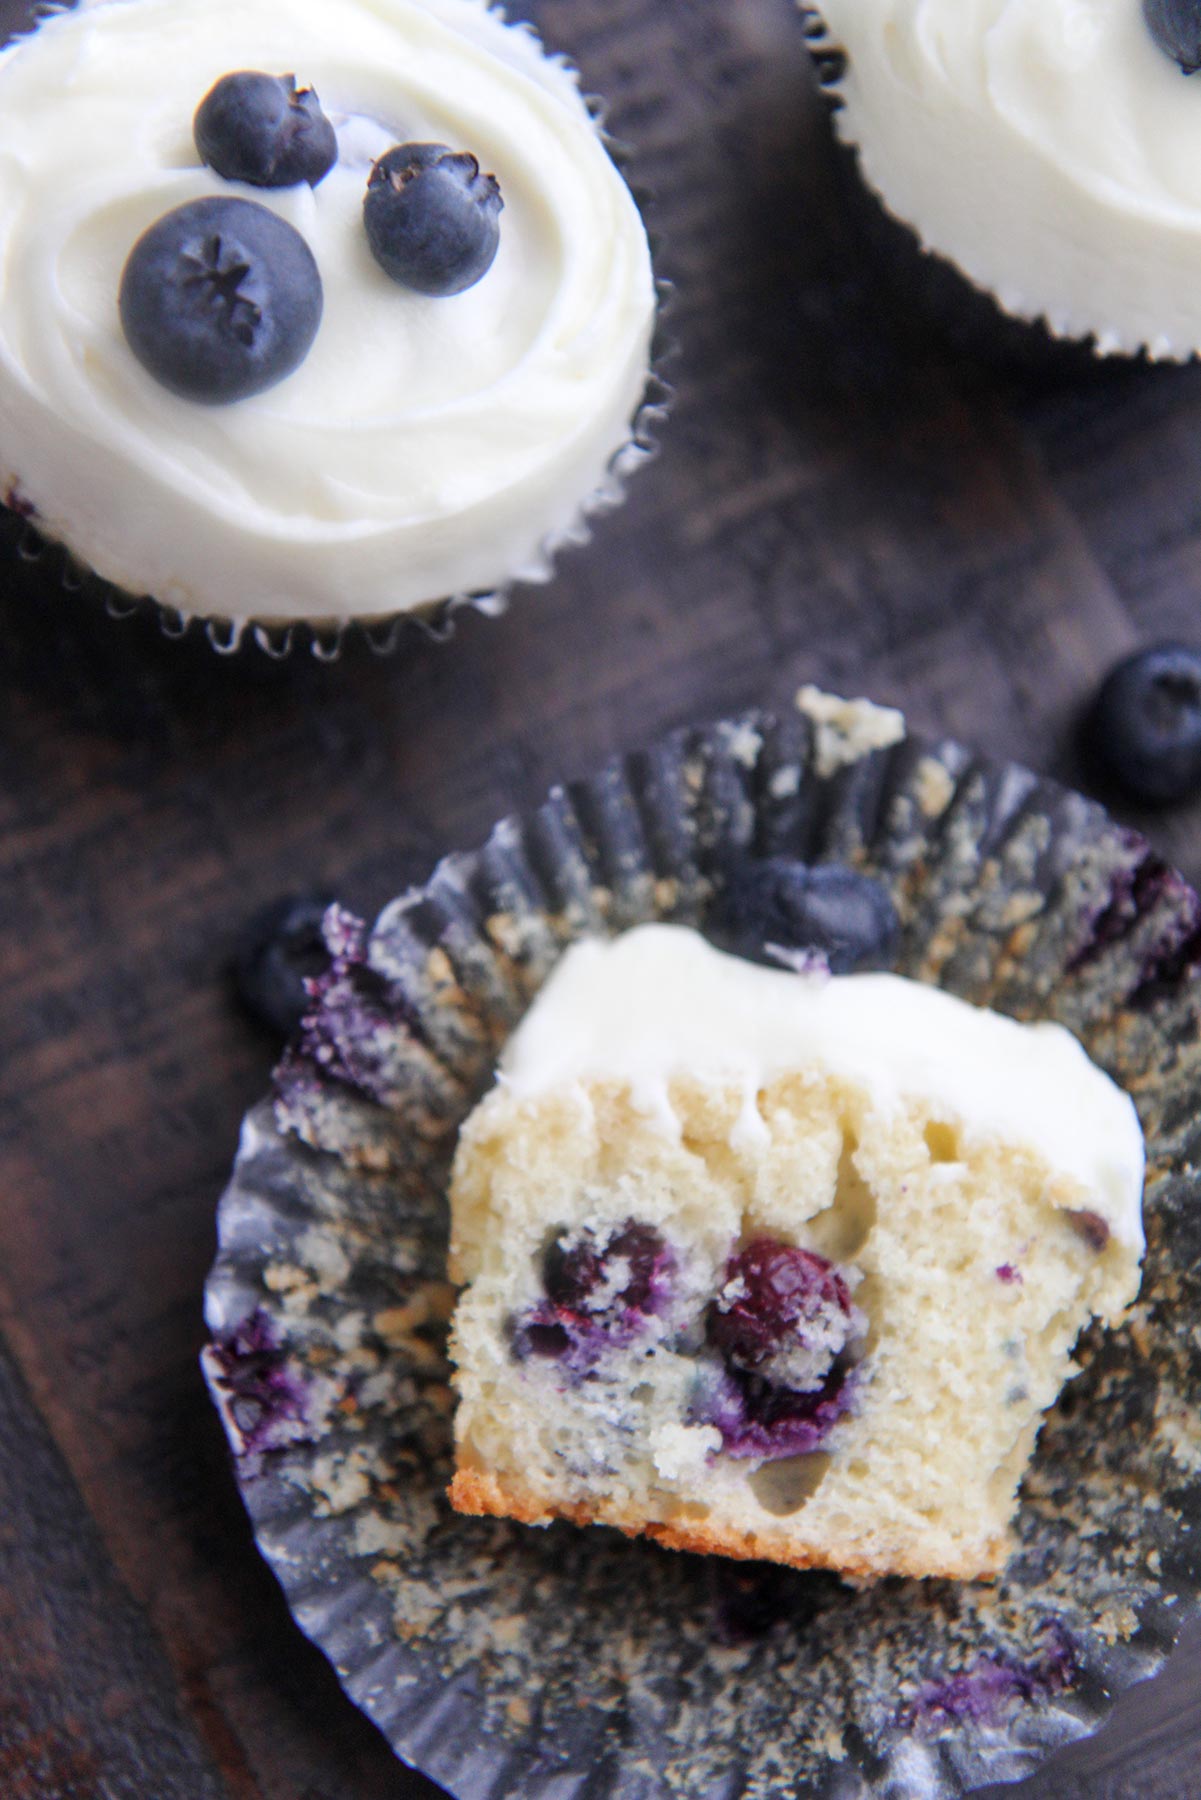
(660, 1002)
(1049, 148)
(426, 447)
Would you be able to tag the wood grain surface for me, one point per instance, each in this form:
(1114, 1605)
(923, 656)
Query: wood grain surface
(840, 498)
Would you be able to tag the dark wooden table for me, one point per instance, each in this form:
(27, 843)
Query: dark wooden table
(840, 498)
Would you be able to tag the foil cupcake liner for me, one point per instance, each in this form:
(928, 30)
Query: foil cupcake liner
(387, 633)
(577, 1665)
(969, 317)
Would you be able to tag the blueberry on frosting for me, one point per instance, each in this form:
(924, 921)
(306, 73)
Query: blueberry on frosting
(1176, 27)
(220, 299)
(432, 218)
(264, 130)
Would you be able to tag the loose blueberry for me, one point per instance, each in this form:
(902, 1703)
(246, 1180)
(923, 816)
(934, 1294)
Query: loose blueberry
(283, 949)
(847, 918)
(1144, 728)
(220, 299)
(432, 219)
(263, 130)
(1176, 27)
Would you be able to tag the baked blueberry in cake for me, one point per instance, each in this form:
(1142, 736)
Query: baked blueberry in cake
(1049, 150)
(312, 311)
(779, 1265)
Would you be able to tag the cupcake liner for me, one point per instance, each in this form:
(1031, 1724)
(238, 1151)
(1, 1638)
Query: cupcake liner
(385, 634)
(971, 318)
(578, 1665)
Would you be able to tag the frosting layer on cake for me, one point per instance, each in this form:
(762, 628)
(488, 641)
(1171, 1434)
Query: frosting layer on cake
(779, 1266)
(426, 447)
(660, 1002)
(1049, 148)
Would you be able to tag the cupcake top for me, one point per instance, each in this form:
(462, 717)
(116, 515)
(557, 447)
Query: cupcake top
(660, 1003)
(1050, 148)
(426, 445)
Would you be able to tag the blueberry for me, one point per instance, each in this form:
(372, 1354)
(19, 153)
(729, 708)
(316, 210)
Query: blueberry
(758, 1419)
(846, 917)
(1176, 27)
(283, 947)
(432, 219)
(601, 1289)
(783, 1313)
(594, 1274)
(261, 129)
(220, 300)
(1144, 727)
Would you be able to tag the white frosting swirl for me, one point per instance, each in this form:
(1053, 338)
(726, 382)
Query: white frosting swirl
(426, 447)
(1048, 147)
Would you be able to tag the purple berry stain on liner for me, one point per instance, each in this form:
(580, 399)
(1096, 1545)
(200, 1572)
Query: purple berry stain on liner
(263, 1397)
(349, 1032)
(993, 1688)
(1010, 1276)
(1137, 891)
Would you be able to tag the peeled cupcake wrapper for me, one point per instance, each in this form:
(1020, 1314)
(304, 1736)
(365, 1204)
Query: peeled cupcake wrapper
(435, 620)
(576, 1665)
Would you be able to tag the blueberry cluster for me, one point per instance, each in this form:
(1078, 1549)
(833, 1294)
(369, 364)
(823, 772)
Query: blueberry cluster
(776, 1360)
(221, 298)
(784, 1328)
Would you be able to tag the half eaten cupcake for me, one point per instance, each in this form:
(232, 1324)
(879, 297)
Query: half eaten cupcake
(776, 1265)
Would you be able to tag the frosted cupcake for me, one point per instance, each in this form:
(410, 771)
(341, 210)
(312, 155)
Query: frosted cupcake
(365, 337)
(1050, 150)
(713, 1218)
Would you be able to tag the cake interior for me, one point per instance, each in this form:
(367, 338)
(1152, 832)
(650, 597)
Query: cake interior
(823, 1333)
